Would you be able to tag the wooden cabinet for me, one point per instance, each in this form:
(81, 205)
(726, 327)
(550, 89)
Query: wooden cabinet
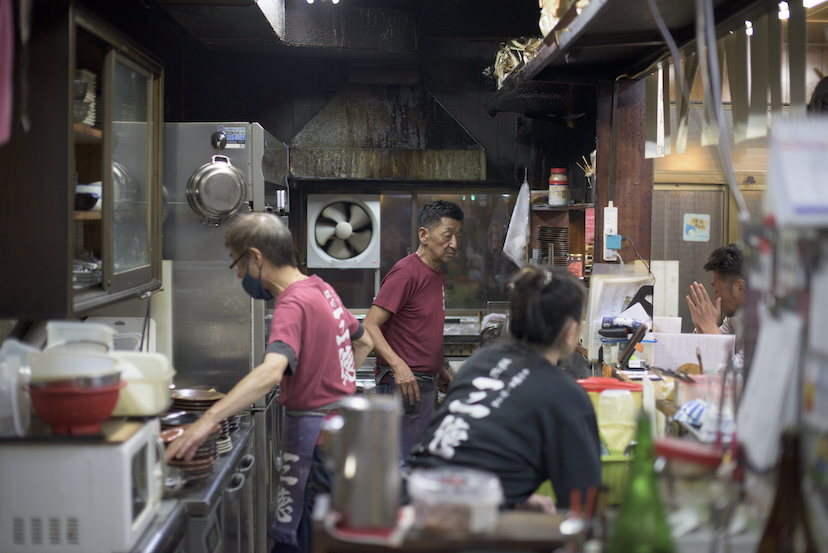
(106, 134)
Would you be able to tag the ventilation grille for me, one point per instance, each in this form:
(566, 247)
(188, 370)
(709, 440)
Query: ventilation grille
(58, 531)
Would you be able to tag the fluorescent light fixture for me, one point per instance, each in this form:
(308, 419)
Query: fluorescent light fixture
(334, 1)
(749, 28)
(812, 3)
(784, 12)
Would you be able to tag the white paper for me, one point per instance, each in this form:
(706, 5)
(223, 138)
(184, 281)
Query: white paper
(710, 128)
(654, 116)
(797, 54)
(667, 325)
(666, 288)
(609, 295)
(768, 389)
(818, 314)
(775, 65)
(665, 109)
(736, 51)
(798, 173)
(691, 66)
(758, 118)
(651, 120)
(674, 350)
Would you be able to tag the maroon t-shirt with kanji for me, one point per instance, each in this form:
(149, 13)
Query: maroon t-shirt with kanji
(415, 294)
(313, 330)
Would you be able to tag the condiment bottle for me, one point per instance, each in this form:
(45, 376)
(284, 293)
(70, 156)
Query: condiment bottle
(575, 265)
(558, 186)
(786, 529)
(641, 525)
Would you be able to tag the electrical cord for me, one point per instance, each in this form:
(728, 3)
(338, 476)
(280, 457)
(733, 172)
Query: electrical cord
(624, 238)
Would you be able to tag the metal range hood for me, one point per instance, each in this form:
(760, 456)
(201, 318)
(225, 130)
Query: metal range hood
(295, 27)
(390, 132)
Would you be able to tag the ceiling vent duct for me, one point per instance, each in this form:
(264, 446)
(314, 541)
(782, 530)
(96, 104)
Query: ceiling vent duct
(385, 132)
(269, 26)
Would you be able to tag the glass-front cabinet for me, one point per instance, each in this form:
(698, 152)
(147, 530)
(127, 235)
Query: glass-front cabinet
(83, 197)
(116, 124)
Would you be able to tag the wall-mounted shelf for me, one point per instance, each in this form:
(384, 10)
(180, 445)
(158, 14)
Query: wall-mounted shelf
(608, 39)
(87, 216)
(576, 207)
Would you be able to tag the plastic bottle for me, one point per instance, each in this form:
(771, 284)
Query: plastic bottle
(641, 526)
(786, 529)
(558, 186)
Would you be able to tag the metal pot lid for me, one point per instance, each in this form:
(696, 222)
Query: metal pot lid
(216, 191)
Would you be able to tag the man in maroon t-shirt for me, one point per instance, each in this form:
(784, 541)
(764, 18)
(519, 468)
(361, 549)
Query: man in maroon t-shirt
(314, 348)
(407, 318)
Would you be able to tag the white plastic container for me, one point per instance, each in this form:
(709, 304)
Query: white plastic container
(60, 365)
(79, 336)
(455, 501)
(148, 377)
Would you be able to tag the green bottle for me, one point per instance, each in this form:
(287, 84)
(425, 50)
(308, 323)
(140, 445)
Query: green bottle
(641, 526)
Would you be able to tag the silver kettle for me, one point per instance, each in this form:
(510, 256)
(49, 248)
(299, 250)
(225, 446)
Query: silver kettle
(362, 445)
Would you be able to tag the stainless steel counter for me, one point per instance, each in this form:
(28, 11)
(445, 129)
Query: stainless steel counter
(168, 531)
(201, 497)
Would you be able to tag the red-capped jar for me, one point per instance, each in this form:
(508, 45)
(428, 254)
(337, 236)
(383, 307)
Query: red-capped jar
(558, 186)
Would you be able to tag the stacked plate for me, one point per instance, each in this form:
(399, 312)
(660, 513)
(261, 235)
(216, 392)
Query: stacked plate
(193, 401)
(231, 424)
(201, 465)
(553, 245)
(86, 108)
(224, 445)
(85, 273)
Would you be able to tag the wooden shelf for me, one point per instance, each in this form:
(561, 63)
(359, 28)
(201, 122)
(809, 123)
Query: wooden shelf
(87, 216)
(609, 39)
(84, 134)
(576, 207)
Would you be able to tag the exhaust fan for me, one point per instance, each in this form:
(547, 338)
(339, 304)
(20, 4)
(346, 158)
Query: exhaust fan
(343, 231)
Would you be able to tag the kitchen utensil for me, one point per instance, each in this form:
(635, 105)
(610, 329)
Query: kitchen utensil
(79, 88)
(74, 410)
(91, 188)
(454, 500)
(15, 413)
(124, 189)
(148, 389)
(60, 365)
(363, 455)
(616, 416)
(78, 336)
(179, 418)
(193, 395)
(84, 201)
(97, 381)
(216, 191)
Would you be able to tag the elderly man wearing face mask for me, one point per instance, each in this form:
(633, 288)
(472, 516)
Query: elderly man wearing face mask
(407, 318)
(313, 350)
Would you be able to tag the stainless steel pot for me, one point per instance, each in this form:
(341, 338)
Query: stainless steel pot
(216, 191)
(363, 445)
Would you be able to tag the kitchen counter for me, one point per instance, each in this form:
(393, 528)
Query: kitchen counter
(202, 496)
(169, 528)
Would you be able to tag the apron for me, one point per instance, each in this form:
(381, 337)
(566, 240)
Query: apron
(299, 437)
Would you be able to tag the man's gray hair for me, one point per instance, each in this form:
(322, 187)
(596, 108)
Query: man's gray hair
(265, 232)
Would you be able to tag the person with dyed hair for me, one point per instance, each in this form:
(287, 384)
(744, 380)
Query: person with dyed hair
(314, 348)
(511, 410)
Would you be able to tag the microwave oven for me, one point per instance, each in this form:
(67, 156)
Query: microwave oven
(90, 495)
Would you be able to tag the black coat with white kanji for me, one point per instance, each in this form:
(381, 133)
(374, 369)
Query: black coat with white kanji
(511, 412)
